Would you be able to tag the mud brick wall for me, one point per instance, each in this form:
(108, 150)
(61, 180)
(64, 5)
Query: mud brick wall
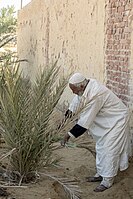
(118, 47)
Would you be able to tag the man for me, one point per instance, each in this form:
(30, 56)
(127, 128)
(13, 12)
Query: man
(106, 118)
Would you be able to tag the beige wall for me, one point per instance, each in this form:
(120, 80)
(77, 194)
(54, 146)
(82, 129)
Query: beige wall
(72, 30)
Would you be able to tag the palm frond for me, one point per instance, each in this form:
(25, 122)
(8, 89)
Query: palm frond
(26, 114)
(70, 186)
(6, 39)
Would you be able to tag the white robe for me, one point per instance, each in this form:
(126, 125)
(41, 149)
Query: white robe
(107, 118)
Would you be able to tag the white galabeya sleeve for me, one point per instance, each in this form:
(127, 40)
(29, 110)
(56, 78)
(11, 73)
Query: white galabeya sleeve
(75, 104)
(71, 135)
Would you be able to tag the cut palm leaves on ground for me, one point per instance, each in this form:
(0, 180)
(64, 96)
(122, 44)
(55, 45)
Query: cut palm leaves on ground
(70, 186)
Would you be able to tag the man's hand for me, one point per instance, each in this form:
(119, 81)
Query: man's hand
(65, 139)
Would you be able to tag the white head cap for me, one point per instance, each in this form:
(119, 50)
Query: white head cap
(76, 78)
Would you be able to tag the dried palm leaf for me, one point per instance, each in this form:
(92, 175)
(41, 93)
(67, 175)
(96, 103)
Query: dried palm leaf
(70, 186)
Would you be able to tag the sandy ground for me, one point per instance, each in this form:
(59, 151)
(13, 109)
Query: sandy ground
(76, 163)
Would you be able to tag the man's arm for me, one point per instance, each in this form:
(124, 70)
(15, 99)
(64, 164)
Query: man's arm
(75, 132)
(85, 120)
(74, 105)
(71, 110)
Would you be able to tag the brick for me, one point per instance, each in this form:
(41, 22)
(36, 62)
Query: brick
(110, 41)
(125, 70)
(117, 4)
(127, 12)
(121, 30)
(109, 32)
(109, 36)
(122, 24)
(121, 9)
(120, 4)
(114, 10)
(122, 36)
(124, 2)
(113, 5)
(127, 30)
(125, 18)
(125, 41)
(112, 1)
(126, 23)
(128, 7)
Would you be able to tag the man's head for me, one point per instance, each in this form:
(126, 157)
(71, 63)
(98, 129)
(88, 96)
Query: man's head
(77, 84)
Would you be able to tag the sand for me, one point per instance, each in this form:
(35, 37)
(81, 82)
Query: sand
(76, 164)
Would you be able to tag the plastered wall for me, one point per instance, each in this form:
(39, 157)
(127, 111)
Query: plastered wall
(71, 30)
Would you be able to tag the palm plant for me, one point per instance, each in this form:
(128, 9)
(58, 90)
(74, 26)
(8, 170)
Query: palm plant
(25, 117)
(8, 23)
(8, 20)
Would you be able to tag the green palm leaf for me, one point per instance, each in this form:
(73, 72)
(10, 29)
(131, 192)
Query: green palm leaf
(26, 112)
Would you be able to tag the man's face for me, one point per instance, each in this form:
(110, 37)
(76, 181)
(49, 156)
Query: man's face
(76, 90)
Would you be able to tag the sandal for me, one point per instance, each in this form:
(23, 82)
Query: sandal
(94, 179)
(100, 188)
